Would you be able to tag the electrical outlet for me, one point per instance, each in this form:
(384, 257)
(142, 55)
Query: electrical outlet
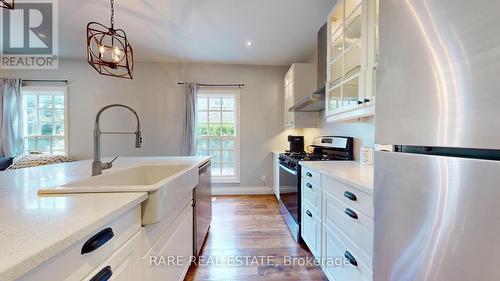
(264, 179)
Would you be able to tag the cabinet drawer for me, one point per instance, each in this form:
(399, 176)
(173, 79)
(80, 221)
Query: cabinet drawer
(355, 225)
(311, 176)
(71, 264)
(124, 264)
(311, 229)
(349, 195)
(335, 248)
(312, 194)
(176, 241)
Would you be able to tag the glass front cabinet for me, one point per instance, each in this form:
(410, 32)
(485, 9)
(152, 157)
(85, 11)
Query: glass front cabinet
(352, 59)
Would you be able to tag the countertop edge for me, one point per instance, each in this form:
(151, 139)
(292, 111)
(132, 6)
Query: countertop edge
(39, 258)
(356, 185)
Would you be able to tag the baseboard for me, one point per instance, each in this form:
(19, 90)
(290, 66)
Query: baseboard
(243, 190)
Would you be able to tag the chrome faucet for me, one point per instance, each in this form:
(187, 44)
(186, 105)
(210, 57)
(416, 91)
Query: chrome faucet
(97, 165)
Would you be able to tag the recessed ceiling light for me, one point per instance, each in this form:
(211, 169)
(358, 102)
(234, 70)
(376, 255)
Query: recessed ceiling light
(249, 44)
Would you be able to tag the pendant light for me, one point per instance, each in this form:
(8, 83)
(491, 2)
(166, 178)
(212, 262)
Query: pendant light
(7, 4)
(108, 50)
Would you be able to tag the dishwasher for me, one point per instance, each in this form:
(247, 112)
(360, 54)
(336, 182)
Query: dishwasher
(202, 204)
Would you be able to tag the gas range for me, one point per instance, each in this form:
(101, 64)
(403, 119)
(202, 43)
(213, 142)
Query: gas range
(324, 149)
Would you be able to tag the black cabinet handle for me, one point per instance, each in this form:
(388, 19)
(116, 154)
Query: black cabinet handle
(360, 102)
(309, 185)
(366, 100)
(309, 213)
(351, 196)
(309, 174)
(96, 241)
(351, 259)
(351, 213)
(103, 275)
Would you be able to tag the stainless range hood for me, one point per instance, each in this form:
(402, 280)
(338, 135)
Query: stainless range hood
(313, 103)
(316, 101)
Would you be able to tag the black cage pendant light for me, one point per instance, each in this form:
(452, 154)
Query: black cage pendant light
(7, 4)
(108, 50)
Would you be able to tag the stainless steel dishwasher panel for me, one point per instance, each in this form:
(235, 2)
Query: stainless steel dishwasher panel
(202, 202)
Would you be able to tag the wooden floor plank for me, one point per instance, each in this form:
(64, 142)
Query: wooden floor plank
(251, 226)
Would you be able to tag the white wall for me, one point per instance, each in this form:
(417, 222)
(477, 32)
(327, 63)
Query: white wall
(159, 101)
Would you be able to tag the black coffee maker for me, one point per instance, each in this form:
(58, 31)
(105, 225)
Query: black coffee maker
(296, 144)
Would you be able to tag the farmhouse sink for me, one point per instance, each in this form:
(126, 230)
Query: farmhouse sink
(140, 176)
(169, 187)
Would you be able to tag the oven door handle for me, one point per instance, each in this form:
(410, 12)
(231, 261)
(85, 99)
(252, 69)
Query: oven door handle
(288, 170)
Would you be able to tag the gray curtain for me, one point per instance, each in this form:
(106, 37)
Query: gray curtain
(189, 141)
(11, 118)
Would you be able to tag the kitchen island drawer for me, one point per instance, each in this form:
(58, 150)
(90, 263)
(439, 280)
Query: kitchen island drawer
(83, 257)
(123, 265)
(349, 195)
(311, 176)
(355, 225)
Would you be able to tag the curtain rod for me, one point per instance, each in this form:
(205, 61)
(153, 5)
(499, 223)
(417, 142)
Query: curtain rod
(214, 85)
(45, 81)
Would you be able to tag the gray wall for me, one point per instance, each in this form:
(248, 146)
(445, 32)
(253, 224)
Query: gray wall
(159, 101)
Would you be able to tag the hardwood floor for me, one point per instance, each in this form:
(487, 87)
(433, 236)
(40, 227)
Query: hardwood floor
(247, 226)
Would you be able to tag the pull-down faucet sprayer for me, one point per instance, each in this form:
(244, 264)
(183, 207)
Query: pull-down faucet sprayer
(97, 165)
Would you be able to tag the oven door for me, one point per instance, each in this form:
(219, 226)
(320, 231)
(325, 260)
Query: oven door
(289, 191)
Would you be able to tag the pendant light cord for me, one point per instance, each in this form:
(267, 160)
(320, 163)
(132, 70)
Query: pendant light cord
(112, 13)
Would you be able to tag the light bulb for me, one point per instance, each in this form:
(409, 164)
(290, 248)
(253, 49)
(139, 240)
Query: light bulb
(102, 49)
(117, 51)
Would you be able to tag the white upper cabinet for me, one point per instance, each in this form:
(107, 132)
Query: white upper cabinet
(352, 59)
(300, 82)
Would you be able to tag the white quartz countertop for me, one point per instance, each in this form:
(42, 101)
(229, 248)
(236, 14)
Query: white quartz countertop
(35, 228)
(350, 172)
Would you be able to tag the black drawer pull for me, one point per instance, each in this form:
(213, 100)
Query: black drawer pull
(309, 174)
(366, 100)
(351, 213)
(351, 196)
(309, 185)
(351, 259)
(96, 241)
(309, 213)
(103, 275)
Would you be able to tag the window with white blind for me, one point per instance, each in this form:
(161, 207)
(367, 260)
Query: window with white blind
(217, 131)
(45, 120)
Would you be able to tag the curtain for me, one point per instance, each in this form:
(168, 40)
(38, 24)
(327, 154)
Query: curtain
(11, 123)
(189, 141)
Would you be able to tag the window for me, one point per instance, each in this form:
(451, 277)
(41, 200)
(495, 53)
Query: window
(217, 132)
(45, 120)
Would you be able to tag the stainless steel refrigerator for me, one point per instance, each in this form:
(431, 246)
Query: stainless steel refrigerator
(437, 188)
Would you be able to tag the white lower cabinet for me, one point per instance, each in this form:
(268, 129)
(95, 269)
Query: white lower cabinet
(311, 229)
(129, 253)
(276, 175)
(169, 257)
(337, 226)
(346, 265)
(72, 264)
(123, 265)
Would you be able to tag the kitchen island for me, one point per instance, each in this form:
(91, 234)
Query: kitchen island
(38, 231)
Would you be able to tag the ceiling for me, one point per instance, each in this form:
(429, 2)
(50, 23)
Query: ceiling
(281, 31)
